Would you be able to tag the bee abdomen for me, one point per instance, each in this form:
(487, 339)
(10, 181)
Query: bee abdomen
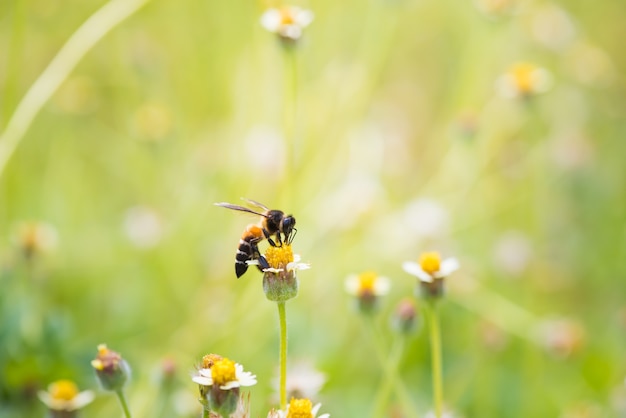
(247, 249)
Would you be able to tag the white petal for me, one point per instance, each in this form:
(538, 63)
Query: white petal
(297, 266)
(296, 258)
(272, 270)
(303, 18)
(315, 409)
(542, 80)
(506, 87)
(324, 416)
(352, 285)
(82, 399)
(230, 385)
(201, 380)
(290, 31)
(271, 19)
(415, 269)
(448, 266)
(382, 286)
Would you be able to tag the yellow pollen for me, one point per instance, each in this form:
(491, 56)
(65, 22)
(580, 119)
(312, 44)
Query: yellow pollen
(103, 350)
(430, 262)
(523, 75)
(97, 364)
(367, 280)
(209, 360)
(300, 408)
(223, 371)
(286, 16)
(279, 257)
(63, 390)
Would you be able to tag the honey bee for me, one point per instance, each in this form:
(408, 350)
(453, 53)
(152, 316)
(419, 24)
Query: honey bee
(274, 226)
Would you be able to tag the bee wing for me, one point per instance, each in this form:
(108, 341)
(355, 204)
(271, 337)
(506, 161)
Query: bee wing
(255, 203)
(239, 208)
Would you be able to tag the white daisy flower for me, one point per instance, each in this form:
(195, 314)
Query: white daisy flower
(523, 80)
(431, 271)
(367, 284)
(298, 408)
(225, 373)
(431, 267)
(287, 22)
(63, 395)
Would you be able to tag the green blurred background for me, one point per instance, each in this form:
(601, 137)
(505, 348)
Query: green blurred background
(401, 145)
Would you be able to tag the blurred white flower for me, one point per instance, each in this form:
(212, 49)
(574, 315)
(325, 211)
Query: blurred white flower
(552, 26)
(143, 226)
(367, 288)
(431, 267)
(512, 252)
(367, 283)
(523, 80)
(287, 21)
(303, 380)
(63, 395)
(426, 218)
(35, 237)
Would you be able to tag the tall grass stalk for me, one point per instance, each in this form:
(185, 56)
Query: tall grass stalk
(64, 62)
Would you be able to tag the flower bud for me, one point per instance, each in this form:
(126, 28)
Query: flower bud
(405, 319)
(111, 369)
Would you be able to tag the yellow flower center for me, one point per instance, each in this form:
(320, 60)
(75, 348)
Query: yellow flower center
(286, 16)
(367, 281)
(223, 371)
(63, 390)
(523, 75)
(279, 257)
(300, 408)
(430, 262)
(209, 360)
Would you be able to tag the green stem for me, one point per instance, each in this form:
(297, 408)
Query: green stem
(282, 318)
(290, 117)
(205, 413)
(64, 62)
(398, 384)
(435, 348)
(123, 403)
(390, 376)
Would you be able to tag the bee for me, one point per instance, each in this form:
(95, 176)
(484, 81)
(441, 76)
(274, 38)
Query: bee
(274, 226)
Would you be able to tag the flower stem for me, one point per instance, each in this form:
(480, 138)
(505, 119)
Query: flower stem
(377, 344)
(282, 319)
(205, 413)
(390, 375)
(435, 348)
(290, 121)
(81, 41)
(123, 403)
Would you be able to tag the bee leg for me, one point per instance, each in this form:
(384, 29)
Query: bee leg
(267, 235)
(263, 264)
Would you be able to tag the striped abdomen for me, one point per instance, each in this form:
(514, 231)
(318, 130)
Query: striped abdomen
(248, 249)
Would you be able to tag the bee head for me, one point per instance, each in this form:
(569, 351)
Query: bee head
(287, 226)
